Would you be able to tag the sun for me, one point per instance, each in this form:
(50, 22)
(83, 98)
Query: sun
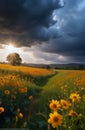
(10, 48)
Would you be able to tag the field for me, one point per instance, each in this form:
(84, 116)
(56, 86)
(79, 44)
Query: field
(41, 99)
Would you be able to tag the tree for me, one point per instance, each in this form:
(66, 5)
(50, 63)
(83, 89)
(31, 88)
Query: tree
(14, 59)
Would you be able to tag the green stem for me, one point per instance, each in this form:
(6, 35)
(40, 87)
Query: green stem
(57, 128)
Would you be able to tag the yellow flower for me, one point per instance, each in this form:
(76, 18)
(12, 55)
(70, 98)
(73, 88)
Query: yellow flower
(65, 104)
(72, 113)
(23, 90)
(20, 115)
(54, 105)
(55, 119)
(1, 110)
(30, 97)
(7, 92)
(75, 97)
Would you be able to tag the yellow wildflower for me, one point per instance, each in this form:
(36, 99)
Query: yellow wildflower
(54, 105)
(72, 113)
(1, 110)
(65, 104)
(55, 119)
(7, 92)
(30, 97)
(20, 115)
(75, 97)
(23, 90)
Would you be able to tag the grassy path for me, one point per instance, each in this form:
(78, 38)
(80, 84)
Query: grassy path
(52, 89)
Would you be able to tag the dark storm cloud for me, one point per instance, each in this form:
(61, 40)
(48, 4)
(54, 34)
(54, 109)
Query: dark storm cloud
(71, 25)
(29, 22)
(25, 20)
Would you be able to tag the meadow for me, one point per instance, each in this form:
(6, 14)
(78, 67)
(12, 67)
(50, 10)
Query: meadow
(41, 99)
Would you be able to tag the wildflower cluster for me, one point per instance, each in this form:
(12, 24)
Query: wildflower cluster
(64, 112)
(27, 70)
(14, 94)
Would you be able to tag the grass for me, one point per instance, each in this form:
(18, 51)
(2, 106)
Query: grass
(60, 87)
(62, 84)
(26, 94)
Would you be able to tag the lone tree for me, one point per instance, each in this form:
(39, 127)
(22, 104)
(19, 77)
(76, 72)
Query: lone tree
(14, 59)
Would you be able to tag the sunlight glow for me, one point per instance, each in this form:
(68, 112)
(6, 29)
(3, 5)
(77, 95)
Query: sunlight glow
(10, 48)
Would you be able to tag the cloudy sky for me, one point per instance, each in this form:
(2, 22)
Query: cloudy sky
(43, 31)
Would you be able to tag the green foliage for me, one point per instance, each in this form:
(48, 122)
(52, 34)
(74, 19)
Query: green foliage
(14, 59)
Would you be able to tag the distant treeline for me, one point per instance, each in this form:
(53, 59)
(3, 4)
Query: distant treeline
(59, 66)
(78, 67)
(71, 66)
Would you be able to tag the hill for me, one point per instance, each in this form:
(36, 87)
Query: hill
(75, 66)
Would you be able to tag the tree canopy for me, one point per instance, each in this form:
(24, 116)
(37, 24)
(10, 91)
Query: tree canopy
(14, 59)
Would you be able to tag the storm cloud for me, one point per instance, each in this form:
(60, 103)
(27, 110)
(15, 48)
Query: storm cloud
(71, 25)
(54, 27)
(27, 20)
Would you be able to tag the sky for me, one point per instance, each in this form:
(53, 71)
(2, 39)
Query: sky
(43, 31)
